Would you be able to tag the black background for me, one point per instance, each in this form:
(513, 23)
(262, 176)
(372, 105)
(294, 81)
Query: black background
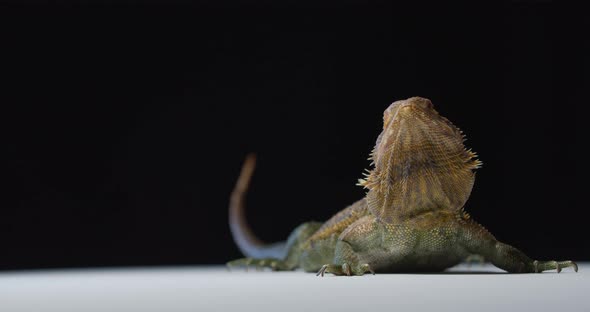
(126, 124)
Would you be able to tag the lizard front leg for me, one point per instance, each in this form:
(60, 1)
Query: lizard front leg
(478, 240)
(346, 262)
(349, 254)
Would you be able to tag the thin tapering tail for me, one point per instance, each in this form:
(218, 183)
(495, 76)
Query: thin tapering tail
(248, 243)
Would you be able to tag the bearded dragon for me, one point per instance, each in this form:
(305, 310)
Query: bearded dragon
(412, 218)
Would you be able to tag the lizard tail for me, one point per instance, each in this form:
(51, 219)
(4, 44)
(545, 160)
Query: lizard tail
(248, 243)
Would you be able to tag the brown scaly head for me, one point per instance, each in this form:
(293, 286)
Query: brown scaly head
(420, 163)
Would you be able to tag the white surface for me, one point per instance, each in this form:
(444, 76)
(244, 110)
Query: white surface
(215, 289)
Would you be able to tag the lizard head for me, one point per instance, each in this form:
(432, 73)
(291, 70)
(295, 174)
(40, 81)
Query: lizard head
(392, 119)
(420, 162)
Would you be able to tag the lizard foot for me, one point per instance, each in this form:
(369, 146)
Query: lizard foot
(540, 266)
(259, 264)
(345, 269)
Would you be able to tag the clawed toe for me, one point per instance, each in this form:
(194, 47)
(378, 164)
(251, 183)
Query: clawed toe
(367, 268)
(335, 269)
(322, 270)
(244, 262)
(541, 266)
(345, 269)
(259, 264)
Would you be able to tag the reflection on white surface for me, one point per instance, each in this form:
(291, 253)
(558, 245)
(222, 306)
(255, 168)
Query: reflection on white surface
(216, 289)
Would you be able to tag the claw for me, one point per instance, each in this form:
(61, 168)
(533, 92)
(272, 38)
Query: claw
(322, 270)
(366, 267)
(575, 265)
(346, 269)
(565, 264)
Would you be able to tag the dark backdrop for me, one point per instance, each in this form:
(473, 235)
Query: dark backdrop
(126, 125)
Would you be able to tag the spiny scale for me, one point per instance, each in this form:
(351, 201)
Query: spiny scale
(421, 163)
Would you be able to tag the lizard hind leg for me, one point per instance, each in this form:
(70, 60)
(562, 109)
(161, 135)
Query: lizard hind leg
(478, 240)
(290, 260)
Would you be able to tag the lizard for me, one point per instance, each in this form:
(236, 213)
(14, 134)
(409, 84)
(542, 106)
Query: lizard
(412, 218)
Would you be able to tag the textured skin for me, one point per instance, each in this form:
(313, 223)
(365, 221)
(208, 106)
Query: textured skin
(411, 220)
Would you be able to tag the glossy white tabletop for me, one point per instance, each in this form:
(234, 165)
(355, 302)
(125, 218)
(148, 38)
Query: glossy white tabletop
(170, 289)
